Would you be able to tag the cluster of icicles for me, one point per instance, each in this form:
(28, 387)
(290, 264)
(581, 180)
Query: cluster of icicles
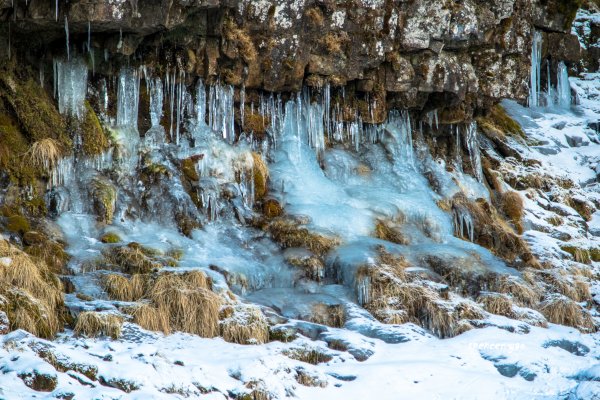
(212, 106)
(559, 96)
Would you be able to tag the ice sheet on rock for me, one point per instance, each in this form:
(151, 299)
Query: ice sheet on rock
(70, 80)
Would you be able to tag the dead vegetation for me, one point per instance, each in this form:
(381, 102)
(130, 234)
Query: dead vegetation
(559, 309)
(44, 154)
(390, 231)
(30, 294)
(244, 324)
(94, 324)
(289, 233)
(491, 231)
(133, 259)
(497, 303)
(119, 287)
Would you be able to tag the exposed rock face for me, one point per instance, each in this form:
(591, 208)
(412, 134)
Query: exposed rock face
(460, 57)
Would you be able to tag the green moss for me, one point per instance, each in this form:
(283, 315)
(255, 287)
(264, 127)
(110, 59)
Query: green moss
(93, 137)
(35, 110)
(105, 197)
(110, 237)
(499, 123)
(188, 167)
(17, 224)
(595, 253)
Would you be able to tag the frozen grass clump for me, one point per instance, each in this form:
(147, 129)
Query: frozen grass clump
(94, 324)
(244, 324)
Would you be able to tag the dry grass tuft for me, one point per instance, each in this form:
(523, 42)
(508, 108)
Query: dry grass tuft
(150, 318)
(30, 294)
(512, 206)
(191, 306)
(118, 287)
(93, 324)
(246, 324)
(132, 259)
(328, 314)
(522, 292)
(561, 310)
(497, 303)
(289, 234)
(492, 231)
(386, 230)
(44, 154)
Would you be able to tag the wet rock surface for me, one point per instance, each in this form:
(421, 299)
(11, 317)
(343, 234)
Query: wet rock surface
(420, 54)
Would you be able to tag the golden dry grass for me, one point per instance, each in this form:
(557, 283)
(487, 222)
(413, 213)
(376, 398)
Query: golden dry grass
(520, 290)
(330, 315)
(118, 287)
(32, 293)
(151, 318)
(191, 306)
(512, 206)
(131, 259)
(386, 230)
(93, 324)
(497, 303)
(289, 234)
(44, 154)
(493, 232)
(245, 324)
(559, 309)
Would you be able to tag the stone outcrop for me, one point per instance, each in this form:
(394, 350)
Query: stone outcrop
(457, 57)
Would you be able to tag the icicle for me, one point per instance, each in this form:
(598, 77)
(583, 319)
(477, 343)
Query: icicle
(41, 74)
(200, 103)
(536, 65)
(327, 108)
(473, 146)
(463, 224)
(128, 98)
(56, 10)
(458, 150)
(89, 37)
(155, 90)
(564, 87)
(242, 104)
(71, 86)
(221, 115)
(67, 36)
(400, 126)
(550, 95)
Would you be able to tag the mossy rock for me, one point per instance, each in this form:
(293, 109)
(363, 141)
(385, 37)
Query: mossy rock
(94, 139)
(110, 237)
(261, 176)
(35, 110)
(272, 208)
(499, 124)
(104, 196)
(17, 224)
(188, 168)
(38, 381)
